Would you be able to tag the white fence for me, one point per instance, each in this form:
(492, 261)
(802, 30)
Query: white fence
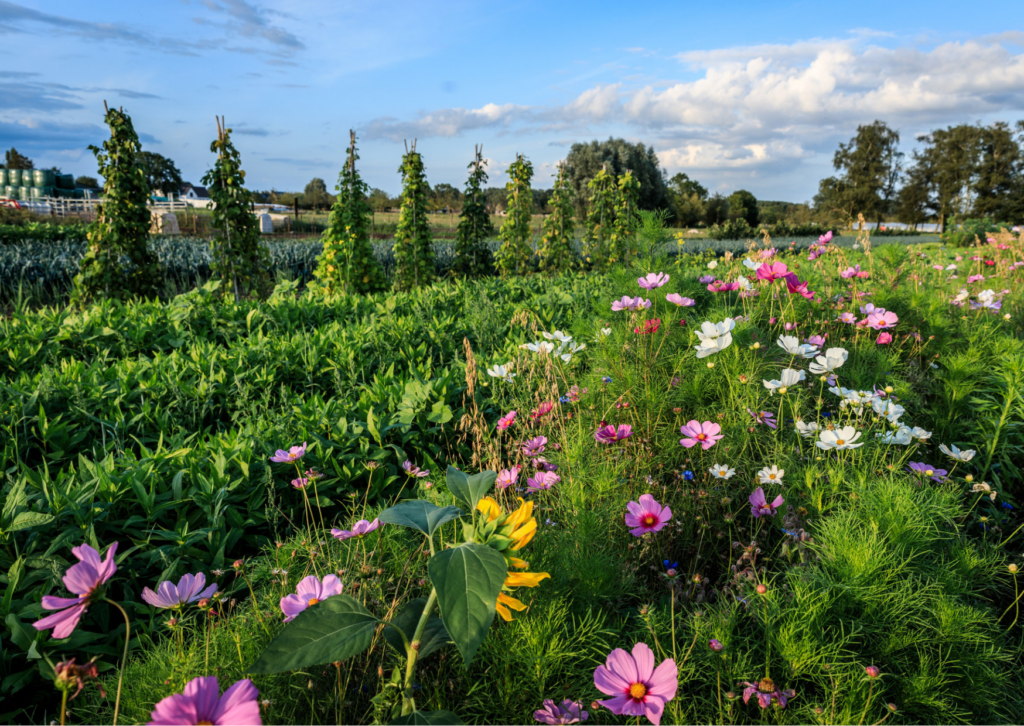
(61, 207)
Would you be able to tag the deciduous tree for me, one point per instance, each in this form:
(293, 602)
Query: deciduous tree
(161, 173)
(615, 156)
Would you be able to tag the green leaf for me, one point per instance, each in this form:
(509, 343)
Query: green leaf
(434, 635)
(420, 514)
(468, 579)
(371, 426)
(470, 489)
(429, 717)
(29, 519)
(335, 629)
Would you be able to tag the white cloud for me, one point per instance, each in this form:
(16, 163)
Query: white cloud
(446, 122)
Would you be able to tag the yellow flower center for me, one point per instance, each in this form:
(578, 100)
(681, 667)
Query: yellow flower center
(771, 476)
(839, 442)
(205, 723)
(782, 389)
(767, 685)
(701, 437)
(637, 691)
(312, 602)
(929, 472)
(723, 472)
(650, 520)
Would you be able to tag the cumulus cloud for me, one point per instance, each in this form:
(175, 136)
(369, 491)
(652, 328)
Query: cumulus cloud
(446, 122)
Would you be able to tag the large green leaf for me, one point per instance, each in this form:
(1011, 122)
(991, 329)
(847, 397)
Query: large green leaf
(434, 635)
(335, 629)
(30, 519)
(468, 579)
(428, 718)
(470, 489)
(420, 514)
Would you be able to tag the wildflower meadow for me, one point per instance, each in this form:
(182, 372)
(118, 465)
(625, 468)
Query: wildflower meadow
(777, 485)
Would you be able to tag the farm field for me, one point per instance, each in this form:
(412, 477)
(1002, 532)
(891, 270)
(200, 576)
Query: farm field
(793, 476)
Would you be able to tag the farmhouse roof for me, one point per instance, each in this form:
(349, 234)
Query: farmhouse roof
(199, 191)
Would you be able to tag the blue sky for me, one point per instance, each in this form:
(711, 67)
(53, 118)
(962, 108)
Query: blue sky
(751, 95)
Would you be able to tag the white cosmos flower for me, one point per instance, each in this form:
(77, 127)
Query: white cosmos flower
(557, 335)
(721, 472)
(986, 296)
(885, 407)
(501, 372)
(950, 267)
(541, 346)
(900, 436)
(788, 378)
(743, 282)
(771, 475)
(604, 333)
(793, 346)
(833, 358)
(839, 439)
(962, 296)
(713, 264)
(715, 330)
(710, 346)
(750, 264)
(807, 430)
(985, 488)
(920, 434)
(573, 348)
(955, 454)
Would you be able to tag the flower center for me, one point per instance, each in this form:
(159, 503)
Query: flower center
(312, 602)
(701, 437)
(767, 685)
(929, 472)
(771, 476)
(204, 723)
(637, 691)
(723, 472)
(839, 442)
(650, 520)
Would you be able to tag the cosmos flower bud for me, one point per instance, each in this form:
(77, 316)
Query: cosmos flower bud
(716, 645)
(1012, 569)
(762, 589)
(872, 671)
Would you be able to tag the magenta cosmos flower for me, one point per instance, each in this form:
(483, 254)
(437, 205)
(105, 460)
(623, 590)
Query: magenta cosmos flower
(541, 482)
(772, 272)
(646, 516)
(759, 505)
(683, 302)
(569, 712)
(507, 420)
(359, 529)
(201, 703)
(535, 446)
(794, 286)
(83, 579)
(766, 692)
(411, 470)
(630, 303)
(189, 589)
(652, 281)
(287, 457)
(309, 592)
(609, 434)
(884, 338)
(637, 688)
(705, 434)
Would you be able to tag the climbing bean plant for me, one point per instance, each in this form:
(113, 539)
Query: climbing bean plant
(515, 251)
(600, 220)
(472, 258)
(624, 228)
(556, 252)
(414, 256)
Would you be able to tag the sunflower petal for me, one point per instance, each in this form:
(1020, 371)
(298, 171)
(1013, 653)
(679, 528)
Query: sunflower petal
(489, 507)
(525, 579)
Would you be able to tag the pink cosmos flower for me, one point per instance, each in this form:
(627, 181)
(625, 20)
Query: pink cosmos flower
(759, 505)
(765, 417)
(772, 272)
(848, 318)
(507, 420)
(567, 713)
(542, 410)
(796, 287)
(705, 279)
(415, 471)
(646, 516)
(309, 592)
(975, 278)
(300, 483)
(883, 338)
(720, 286)
(359, 529)
(818, 340)
(541, 481)
(507, 477)
(630, 303)
(287, 457)
(83, 579)
(535, 446)
(188, 590)
(636, 686)
(881, 318)
(705, 434)
(650, 327)
(683, 302)
(200, 703)
(609, 434)
(652, 280)
(766, 692)
(825, 238)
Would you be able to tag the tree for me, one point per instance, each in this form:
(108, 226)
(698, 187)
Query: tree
(515, 251)
(446, 197)
(87, 182)
(556, 252)
(414, 254)
(14, 160)
(686, 200)
(999, 171)
(743, 205)
(161, 173)
(600, 219)
(121, 228)
(315, 194)
(472, 258)
(912, 199)
(616, 156)
(238, 256)
(347, 263)
(380, 200)
(716, 209)
(949, 160)
(870, 166)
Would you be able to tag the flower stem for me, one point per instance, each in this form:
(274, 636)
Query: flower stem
(63, 706)
(124, 661)
(408, 702)
(871, 687)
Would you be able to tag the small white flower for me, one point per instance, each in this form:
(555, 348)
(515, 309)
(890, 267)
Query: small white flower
(985, 488)
(722, 472)
(713, 264)
(709, 330)
(557, 335)
(604, 333)
(920, 434)
(743, 282)
(573, 348)
(900, 436)
(541, 346)
(833, 358)
(839, 439)
(807, 430)
(710, 346)
(750, 264)
(793, 346)
(771, 475)
(950, 267)
(885, 407)
(501, 372)
(789, 377)
(955, 454)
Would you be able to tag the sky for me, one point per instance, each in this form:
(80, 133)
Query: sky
(752, 95)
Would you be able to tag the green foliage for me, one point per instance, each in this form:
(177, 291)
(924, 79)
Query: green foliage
(472, 257)
(870, 166)
(347, 263)
(433, 637)
(514, 255)
(239, 259)
(414, 259)
(972, 231)
(743, 208)
(315, 194)
(161, 173)
(623, 238)
(420, 515)
(557, 253)
(118, 262)
(600, 220)
(14, 160)
(616, 156)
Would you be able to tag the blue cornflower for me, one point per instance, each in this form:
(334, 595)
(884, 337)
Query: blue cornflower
(791, 534)
(563, 399)
(669, 565)
(826, 414)
(1007, 505)
(606, 379)
(688, 475)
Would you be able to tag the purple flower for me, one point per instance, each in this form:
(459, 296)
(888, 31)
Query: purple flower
(541, 481)
(652, 280)
(765, 417)
(293, 454)
(309, 592)
(630, 303)
(188, 590)
(359, 529)
(646, 516)
(636, 686)
(705, 279)
(683, 302)
(759, 505)
(609, 434)
(83, 579)
(568, 713)
(705, 434)
(411, 470)
(200, 703)
(535, 446)
(922, 469)
(766, 692)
